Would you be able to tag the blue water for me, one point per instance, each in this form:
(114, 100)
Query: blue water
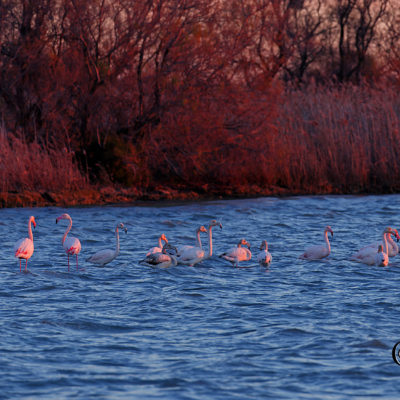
(300, 329)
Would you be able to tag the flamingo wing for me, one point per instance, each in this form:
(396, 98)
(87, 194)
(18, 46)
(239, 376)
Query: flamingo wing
(24, 248)
(315, 252)
(190, 254)
(102, 257)
(72, 245)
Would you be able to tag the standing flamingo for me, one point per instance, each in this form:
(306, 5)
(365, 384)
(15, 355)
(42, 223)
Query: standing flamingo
(160, 245)
(24, 247)
(264, 258)
(103, 257)
(238, 253)
(71, 245)
(319, 251)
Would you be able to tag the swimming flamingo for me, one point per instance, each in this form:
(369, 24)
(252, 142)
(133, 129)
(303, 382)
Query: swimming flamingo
(24, 247)
(160, 246)
(264, 258)
(103, 257)
(239, 253)
(161, 259)
(367, 255)
(71, 245)
(393, 248)
(319, 251)
(190, 255)
(381, 258)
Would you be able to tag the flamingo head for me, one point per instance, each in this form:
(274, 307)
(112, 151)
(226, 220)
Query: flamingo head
(201, 229)
(243, 242)
(329, 229)
(264, 245)
(32, 219)
(214, 222)
(122, 226)
(396, 234)
(164, 238)
(63, 216)
(390, 230)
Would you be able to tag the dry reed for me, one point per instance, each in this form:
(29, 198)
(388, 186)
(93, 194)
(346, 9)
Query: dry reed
(31, 167)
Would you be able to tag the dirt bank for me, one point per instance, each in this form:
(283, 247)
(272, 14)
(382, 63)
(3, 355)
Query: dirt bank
(110, 195)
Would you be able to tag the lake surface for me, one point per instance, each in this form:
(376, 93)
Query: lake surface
(300, 329)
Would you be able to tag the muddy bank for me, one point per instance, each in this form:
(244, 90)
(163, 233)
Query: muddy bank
(110, 195)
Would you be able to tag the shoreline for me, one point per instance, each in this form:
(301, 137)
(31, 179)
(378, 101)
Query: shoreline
(120, 196)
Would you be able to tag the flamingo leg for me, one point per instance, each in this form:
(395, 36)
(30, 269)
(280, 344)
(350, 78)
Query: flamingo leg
(26, 265)
(20, 265)
(68, 261)
(77, 262)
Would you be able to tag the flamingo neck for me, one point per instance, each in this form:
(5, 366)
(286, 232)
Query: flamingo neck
(67, 230)
(210, 244)
(30, 229)
(392, 242)
(198, 239)
(385, 243)
(328, 245)
(117, 238)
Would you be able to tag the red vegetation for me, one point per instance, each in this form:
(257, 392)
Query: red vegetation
(178, 99)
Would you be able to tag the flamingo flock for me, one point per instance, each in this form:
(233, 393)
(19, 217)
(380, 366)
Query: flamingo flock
(165, 254)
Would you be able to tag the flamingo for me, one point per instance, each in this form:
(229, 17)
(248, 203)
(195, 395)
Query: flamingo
(239, 253)
(367, 255)
(24, 247)
(393, 248)
(71, 245)
(103, 257)
(210, 243)
(161, 259)
(381, 258)
(319, 251)
(191, 255)
(264, 258)
(160, 246)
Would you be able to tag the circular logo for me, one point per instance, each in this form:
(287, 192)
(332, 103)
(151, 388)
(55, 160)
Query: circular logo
(396, 353)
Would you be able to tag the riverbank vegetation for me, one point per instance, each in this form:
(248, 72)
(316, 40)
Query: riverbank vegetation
(119, 100)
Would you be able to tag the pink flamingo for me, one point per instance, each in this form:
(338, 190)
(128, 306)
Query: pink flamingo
(158, 249)
(24, 247)
(238, 253)
(71, 245)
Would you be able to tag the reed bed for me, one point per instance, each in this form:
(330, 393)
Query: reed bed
(314, 140)
(341, 139)
(319, 139)
(30, 166)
